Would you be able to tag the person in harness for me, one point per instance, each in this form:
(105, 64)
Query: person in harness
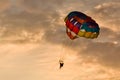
(61, 63)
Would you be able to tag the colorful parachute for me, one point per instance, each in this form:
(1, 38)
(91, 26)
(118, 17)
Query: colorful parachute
(81, 25)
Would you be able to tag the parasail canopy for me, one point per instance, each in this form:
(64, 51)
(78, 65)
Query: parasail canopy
(80, 25)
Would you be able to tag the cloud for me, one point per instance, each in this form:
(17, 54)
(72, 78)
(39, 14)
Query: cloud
(104, 50)
(39, 6)
(33, 16)
(105, 53)
(18, 18)
(34, 21)
(108, 14)
(4, 4)
(29, 21)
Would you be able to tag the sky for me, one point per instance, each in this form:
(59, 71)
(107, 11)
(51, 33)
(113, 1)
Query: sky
(33, 39)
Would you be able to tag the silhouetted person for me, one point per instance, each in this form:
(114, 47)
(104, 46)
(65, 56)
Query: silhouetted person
(61, 63)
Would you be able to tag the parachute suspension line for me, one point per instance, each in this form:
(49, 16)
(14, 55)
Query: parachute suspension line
(63, 48)
(66, 44)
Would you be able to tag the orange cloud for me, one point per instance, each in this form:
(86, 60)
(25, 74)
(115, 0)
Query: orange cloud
(4, 4)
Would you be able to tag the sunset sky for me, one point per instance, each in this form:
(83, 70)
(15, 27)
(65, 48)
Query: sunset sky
(33, 39)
